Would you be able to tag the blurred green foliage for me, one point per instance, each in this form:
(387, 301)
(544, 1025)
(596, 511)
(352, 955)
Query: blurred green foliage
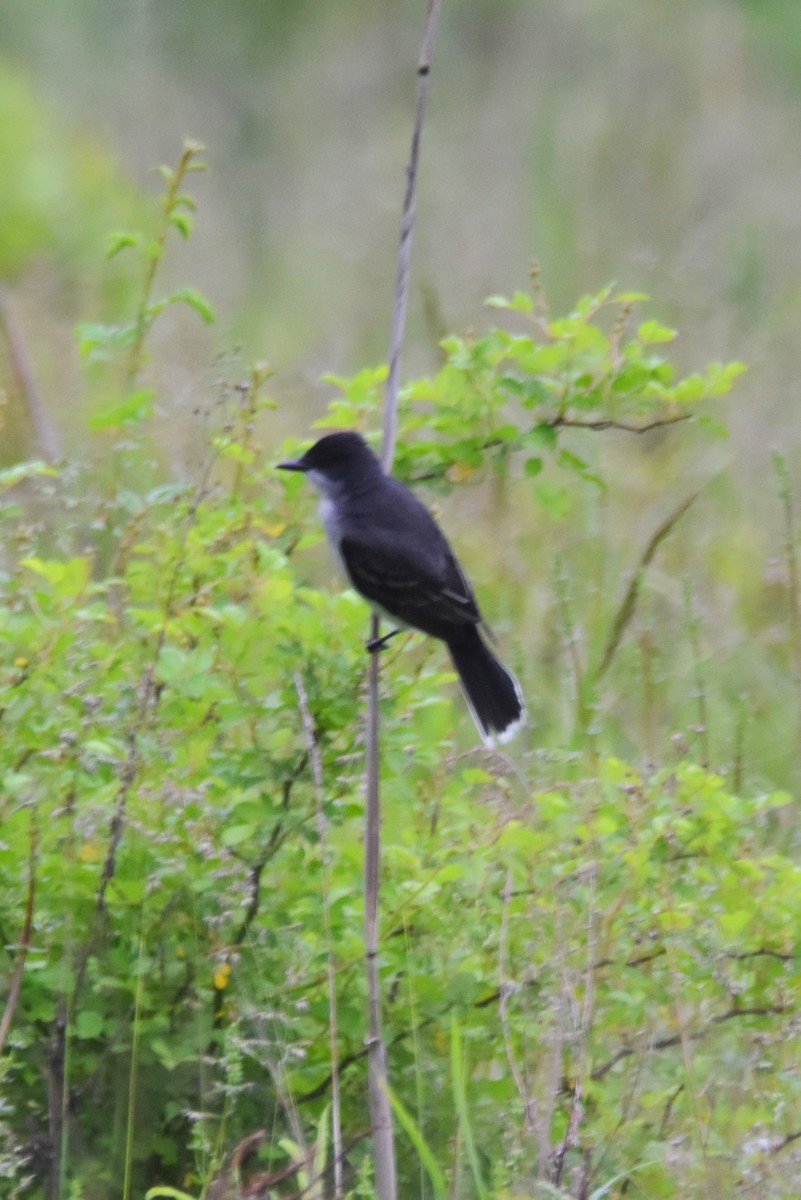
(61, 193)
(775, 24)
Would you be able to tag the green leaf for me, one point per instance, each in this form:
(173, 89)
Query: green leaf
(132, 411)
(600, 1193)
(68, 577)
(631, 298)
(196, 301)
(164, 1192)
(733, 923)
(424, 1151)
(459, 1081)
(554, 498)
(235, 835)
(121, 241)
(520, 302)
(234, 450)
(652, 332)
(544, 435)
(183, 222)
(89, 1024)
(104, 342)
(475, 775)
(11, 476)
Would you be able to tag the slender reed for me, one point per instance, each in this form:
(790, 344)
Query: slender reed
(380, 1106)
(315, 760)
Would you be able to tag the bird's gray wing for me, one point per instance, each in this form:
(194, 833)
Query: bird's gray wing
(426, 591)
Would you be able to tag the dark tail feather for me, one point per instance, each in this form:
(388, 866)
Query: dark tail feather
(492, 691)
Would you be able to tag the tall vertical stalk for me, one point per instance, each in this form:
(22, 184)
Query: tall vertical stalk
(793, 573)
(380, 1108)
(316, 764)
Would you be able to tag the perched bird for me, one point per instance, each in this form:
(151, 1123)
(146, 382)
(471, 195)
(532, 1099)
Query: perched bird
(397, 557)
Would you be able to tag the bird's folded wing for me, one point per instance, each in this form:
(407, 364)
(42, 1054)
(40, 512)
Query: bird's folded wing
(409, 586)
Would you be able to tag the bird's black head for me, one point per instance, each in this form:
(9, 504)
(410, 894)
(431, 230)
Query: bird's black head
(335, 455)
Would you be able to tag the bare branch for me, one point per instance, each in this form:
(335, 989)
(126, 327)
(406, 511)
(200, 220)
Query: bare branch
(665, 1043)
(565, 422)
(780, 1143)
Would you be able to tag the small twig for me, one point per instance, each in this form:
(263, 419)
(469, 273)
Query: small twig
(565, 422)
(672, 1098)
(561, 421)
(261, 1185)
(696, 1035)
(278, 836)
(782, 1142)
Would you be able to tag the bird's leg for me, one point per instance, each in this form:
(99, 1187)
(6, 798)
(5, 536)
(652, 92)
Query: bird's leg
(376, 645)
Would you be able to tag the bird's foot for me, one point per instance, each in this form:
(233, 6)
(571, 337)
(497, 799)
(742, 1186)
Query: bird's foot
(376, 645)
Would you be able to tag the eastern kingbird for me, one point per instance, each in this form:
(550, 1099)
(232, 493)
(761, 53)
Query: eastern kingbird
(396, 556)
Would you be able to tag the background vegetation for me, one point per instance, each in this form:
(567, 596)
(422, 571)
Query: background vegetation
(591, 947)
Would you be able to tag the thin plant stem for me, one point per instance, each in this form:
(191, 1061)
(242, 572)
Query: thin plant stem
(132, 1077)
(380, 1106)
(693, 627)
(793, 580)
(174, 180)
(648, 704)
(571, 641)
(315, 760)
(406, 237)
(791, 560)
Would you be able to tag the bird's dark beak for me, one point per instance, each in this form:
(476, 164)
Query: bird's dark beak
(295, 464)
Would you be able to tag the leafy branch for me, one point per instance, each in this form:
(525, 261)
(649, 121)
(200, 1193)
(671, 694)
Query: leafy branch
(126, 343)
(508, 392)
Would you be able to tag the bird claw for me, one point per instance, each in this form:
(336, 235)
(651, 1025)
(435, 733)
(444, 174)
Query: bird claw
(376, 645)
